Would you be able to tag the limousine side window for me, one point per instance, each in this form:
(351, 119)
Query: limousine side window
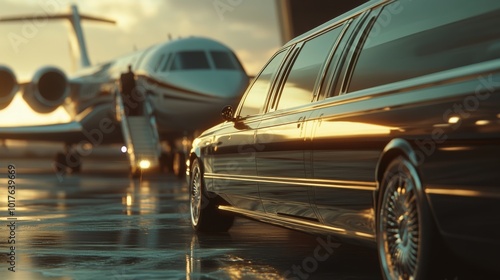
(299, 87)
(256, 96)
(415, 38)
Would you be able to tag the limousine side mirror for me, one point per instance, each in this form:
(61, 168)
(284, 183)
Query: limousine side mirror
(228, 114)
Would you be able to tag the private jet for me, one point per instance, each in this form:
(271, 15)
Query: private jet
(183, 84)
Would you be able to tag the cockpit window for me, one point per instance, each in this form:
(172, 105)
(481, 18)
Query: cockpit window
(189, 60)
(223, 60)
(167, 63)
(159, 62)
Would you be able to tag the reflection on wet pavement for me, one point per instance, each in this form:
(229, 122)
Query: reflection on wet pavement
(103, 225)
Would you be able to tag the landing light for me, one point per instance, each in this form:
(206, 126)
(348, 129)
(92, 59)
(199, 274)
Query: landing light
(454, 120)
(124, 149)
(144, 164)
(482, 122)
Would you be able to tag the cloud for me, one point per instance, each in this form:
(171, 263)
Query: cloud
(249, 27)
(127, 13)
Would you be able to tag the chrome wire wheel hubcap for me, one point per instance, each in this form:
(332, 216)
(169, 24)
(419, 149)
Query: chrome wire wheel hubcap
(400, 228)
(195, 195)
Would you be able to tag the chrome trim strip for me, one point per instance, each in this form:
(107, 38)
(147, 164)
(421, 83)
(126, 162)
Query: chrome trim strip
(462, 192)
(446, 77)
(278, 219)
(337, 184)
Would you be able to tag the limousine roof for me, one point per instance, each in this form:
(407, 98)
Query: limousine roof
(345, 16)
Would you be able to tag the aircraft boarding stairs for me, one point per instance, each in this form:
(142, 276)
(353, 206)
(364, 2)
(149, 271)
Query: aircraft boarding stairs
(141, 137)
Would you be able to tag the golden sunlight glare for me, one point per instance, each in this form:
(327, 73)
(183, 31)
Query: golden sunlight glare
(18, 113)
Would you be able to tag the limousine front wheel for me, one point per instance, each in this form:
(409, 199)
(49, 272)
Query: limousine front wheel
(205, 215)
(404, 226)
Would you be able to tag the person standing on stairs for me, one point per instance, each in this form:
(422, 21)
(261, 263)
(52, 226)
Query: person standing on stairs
(132, 97)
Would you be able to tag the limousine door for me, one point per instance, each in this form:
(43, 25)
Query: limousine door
(282, 166)
(234, 171)
(345, 148)
(345, 151)
(233, 161)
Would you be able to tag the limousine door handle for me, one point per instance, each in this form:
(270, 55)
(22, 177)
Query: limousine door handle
(300, 121)
(320, 119)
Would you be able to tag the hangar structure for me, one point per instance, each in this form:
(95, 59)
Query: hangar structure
(299, 16)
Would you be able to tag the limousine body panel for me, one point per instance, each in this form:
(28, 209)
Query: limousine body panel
(352, 139)
(330, 164)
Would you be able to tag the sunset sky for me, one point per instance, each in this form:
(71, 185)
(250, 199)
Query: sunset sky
(250, 28)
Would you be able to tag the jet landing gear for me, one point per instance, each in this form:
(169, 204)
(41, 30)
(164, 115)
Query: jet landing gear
(165, 162)
(173, 158)
(68, 161)
(179, 164)
(173, 162)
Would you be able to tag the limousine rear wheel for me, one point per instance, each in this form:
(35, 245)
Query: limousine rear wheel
(205, 215)
(405, 229)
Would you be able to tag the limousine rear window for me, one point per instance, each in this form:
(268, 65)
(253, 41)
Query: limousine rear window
(190, 60)
(299, 86)
(419, 41)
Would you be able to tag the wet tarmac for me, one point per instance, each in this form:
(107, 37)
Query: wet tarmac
(101, 224)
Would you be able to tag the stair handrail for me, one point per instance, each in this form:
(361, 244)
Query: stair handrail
(122, 118)
(148, 108)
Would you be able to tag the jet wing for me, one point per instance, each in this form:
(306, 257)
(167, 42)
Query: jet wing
(65, 132)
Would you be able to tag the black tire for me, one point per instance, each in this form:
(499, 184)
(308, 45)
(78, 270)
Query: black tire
(74, 162)
(205, 215)
(76, 169)
(406, 232)
(135, 173)
(60, 163)
(165, 161)
(65, 162)
(179, 165)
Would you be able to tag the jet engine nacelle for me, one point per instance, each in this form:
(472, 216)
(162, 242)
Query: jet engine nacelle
(47, 91)
(8, 86)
